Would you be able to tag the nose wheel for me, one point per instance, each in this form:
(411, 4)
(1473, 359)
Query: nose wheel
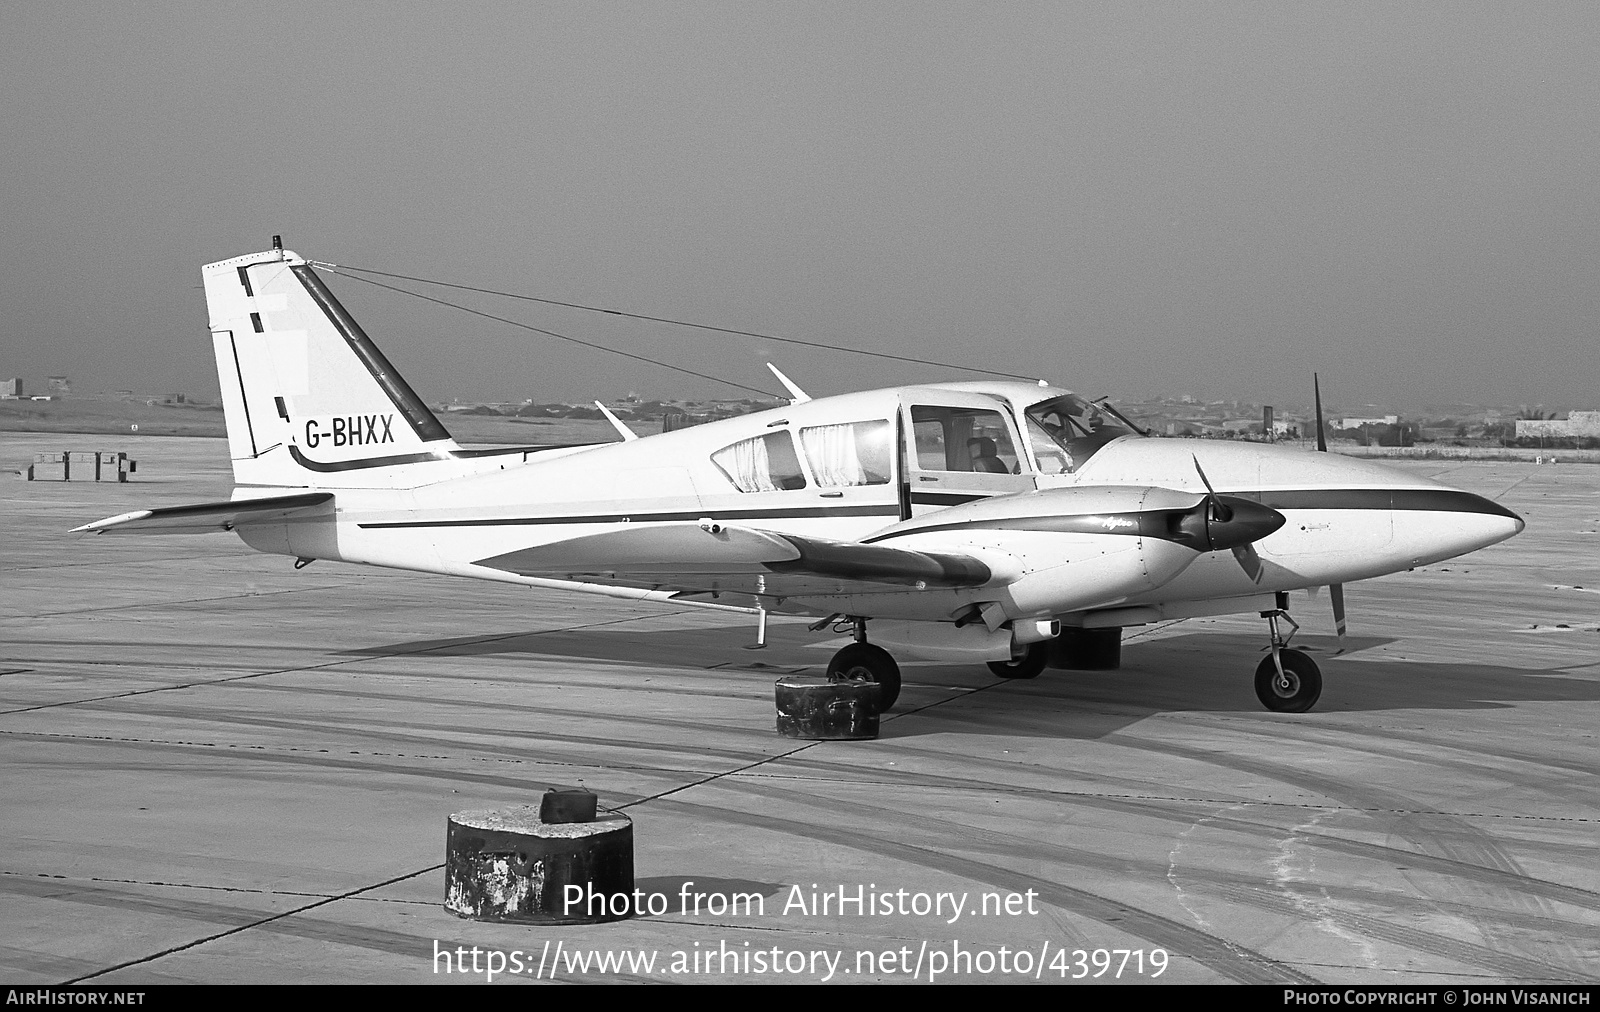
(1293, 689)
(1287, 680)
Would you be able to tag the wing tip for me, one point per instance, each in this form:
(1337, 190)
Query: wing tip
(101, 526)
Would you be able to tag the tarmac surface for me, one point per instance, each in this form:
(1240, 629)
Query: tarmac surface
(219, 769)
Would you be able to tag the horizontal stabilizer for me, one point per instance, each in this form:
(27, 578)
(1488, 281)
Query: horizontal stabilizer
(691, 558)
(205, 517)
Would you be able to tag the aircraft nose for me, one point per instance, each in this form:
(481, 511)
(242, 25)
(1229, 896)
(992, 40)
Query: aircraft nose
(1495, 521)
(1433, 524)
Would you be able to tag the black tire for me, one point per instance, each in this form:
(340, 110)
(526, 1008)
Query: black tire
(1303, 688)
(1027, 666)
(863, 662)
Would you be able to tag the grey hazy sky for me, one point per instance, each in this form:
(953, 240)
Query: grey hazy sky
(1137, 199)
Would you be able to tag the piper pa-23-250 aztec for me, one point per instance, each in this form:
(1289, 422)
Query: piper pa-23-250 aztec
(1003, 522)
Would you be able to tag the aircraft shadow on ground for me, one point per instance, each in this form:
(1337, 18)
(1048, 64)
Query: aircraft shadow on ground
(678, 648)
(1209, 672)
(1195, 672)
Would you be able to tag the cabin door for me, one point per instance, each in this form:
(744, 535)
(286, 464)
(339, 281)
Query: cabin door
(960, 447)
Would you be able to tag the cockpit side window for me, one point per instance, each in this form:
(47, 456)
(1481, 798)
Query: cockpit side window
(766, 463)
(1053, 457)
(854, 453)
(962, 439)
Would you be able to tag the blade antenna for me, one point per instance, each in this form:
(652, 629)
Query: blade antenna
(796, 395)
(628, 435)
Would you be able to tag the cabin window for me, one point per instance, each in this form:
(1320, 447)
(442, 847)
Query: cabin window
(963, 439)
(854, 453)
(765, 464)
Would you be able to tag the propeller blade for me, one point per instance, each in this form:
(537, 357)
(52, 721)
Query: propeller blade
(1316, 391)
(1249, 561)
(1336, 595)
(1256, 522)
(1218, 510)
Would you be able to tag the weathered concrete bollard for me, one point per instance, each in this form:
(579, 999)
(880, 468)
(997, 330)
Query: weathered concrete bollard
(511, 864)
(826, 711)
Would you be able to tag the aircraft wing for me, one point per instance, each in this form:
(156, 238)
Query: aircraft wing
(718, 559)
(206, 517)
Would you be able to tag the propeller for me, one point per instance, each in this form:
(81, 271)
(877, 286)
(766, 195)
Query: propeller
(1335, 590)
(1237, 527)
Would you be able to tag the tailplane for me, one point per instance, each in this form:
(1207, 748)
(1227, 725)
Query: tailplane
(309, 400)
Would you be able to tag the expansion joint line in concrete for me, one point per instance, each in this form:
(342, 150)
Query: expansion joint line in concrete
(178, 604)
(747, 767)
(253, 924)
(99, 879)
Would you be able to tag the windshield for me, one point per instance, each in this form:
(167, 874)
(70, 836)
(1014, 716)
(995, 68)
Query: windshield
(1066, 431)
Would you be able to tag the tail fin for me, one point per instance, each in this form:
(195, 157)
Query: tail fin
(309, 400)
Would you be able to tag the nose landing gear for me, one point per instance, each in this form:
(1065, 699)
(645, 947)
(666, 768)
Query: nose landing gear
(1288, 681)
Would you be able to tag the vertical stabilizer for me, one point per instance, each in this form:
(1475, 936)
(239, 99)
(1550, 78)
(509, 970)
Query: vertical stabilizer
(309, 399)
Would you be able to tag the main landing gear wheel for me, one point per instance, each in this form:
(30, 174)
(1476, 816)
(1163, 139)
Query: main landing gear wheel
(1027, 666)
(863, 662)
(1297, 690)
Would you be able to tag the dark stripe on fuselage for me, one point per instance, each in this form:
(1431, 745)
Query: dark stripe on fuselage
(1160, 523)
(1147, 524)
(884, 510)
(1436, 500)
(947, 498)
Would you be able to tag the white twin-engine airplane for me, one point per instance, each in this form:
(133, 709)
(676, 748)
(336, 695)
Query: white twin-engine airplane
(992, 521)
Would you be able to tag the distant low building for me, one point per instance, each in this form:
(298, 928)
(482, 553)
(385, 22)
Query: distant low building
(60, 386)
(1577, 424)
(10, 389)
(1356, 423)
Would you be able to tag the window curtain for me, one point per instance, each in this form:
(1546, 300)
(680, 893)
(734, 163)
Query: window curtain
(833, 455)
(746, 465)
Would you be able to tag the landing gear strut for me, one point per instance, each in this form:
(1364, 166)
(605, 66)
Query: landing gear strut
(863, 662)
(1288, 681)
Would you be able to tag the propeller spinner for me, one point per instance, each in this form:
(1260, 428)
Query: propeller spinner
(1234, 524)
